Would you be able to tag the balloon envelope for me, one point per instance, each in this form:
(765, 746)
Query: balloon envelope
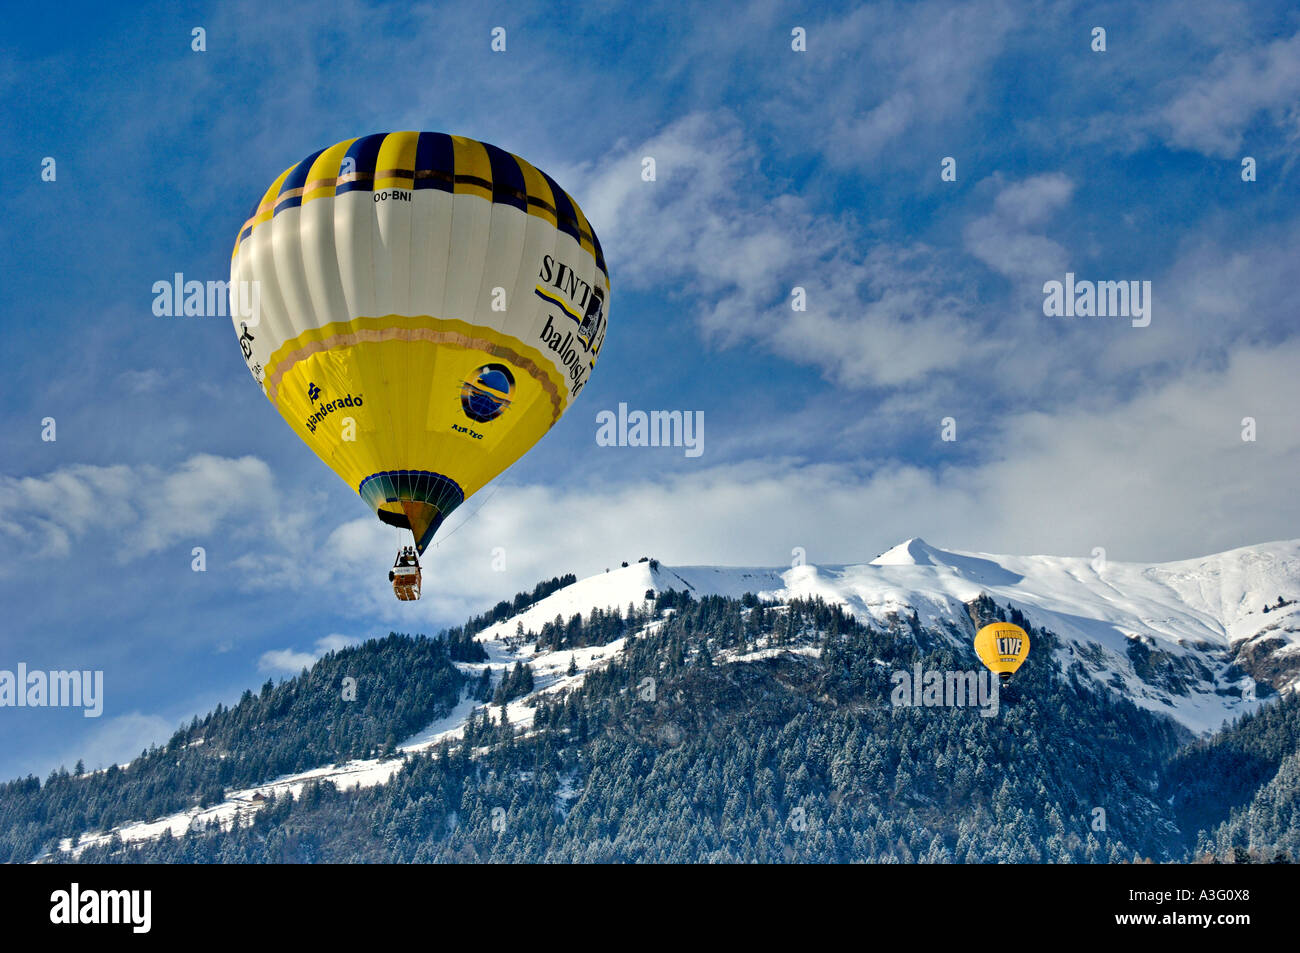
(1002, 647)
(421, 309)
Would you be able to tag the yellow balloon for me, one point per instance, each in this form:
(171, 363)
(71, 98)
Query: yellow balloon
(421, 309)
(1002, 647)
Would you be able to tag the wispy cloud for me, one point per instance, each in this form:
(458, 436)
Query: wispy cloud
(117, 740)
(930, 66)
(1010, 240)
(1212, 113)
(876, 313)
(291, 662)
(141, 508)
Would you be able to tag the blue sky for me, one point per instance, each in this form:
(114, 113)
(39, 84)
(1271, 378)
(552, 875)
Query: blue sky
(775, 169)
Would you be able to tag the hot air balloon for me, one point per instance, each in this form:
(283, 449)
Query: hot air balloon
(421, 309)
(1002, 647)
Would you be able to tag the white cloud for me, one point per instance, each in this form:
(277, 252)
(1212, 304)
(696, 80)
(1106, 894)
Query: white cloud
(1163, 476)
(143, 382)
(290, 662)
(709, 226)
(1213, 111)
(1221, 290)
(141, 509)
(1007, 239)
(118, 740)
(1032, 201)
(929, 63)
(285, 660)
(333, 642)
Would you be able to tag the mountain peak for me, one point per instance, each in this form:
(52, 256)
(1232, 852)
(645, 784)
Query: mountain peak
(911, 552)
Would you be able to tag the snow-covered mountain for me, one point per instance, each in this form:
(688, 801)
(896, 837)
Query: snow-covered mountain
(1201, 640)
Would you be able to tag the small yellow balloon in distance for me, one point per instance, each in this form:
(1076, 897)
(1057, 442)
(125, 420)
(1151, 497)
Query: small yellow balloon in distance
(1002, 647)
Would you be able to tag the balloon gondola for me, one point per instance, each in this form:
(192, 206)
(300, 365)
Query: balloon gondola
(421, 309)
(405, 575)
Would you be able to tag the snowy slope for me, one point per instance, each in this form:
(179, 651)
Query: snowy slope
(549, 675)
(1180, 638)
(1183, 638)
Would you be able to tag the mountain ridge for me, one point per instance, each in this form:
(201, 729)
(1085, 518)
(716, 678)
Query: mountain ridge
(1186, 665)
(1195, 639)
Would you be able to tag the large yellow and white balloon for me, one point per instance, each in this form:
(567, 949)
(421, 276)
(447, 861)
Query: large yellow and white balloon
(421, 309)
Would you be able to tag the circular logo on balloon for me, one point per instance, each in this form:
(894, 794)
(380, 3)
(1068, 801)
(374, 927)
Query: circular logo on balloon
(486, 395)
